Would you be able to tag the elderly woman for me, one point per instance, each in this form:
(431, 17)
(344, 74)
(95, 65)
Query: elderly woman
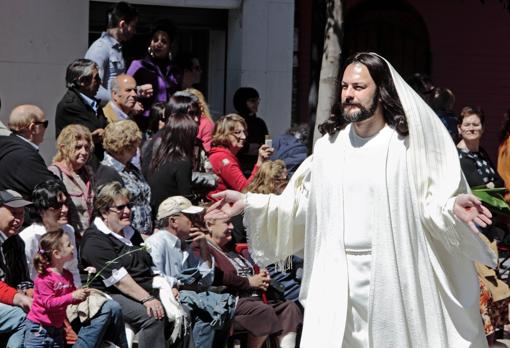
(74, 146)
(280, 318)
(129, 280)
(121, 141)
(475, 161)
(229, 138)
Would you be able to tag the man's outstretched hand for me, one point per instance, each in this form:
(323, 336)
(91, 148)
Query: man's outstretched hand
(470, 210)
(232, 202)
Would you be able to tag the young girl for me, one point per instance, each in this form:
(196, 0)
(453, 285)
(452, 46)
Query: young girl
(53, 291)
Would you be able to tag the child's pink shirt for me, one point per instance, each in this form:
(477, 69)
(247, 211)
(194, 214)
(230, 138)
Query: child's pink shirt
(52, 294)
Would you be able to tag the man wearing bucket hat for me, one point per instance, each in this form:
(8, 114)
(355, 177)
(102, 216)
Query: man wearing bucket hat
(180, 224)
(13, 270)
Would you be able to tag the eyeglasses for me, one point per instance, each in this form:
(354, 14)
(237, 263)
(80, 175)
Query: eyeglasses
(42, 123)
(120, 208)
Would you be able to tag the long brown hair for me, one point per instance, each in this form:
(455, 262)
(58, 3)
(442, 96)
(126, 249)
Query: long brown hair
(177, 141)
(50, 241)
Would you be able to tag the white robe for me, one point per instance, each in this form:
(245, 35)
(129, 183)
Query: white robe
(423, 287)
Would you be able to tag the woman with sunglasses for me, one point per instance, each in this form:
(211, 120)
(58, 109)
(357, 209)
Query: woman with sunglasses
(230, 134)
(129, 279)
(74, 147)
(49, 212)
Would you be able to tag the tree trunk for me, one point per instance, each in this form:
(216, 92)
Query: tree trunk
(328, 84)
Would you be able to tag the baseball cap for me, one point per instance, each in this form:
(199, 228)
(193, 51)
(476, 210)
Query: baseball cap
(12, 199)
(175, 205)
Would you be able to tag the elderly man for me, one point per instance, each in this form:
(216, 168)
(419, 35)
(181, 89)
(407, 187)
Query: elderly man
(388, 229)
(13, 302)
(124, 104)
(22, 165)
(180, 223)
(79, 105)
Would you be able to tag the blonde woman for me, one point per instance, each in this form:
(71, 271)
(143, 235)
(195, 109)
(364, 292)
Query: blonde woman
(272, 177)
(205, 123)
(74, 147)
(121, 141)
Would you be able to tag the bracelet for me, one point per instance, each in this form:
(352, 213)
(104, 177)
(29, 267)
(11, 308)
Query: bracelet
(147, 299)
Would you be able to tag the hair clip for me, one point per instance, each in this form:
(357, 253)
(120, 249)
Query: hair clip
(41, 251)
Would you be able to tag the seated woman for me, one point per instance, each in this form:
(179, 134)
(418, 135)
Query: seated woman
(129, 280)
(237, 274)
(171, 165)
(74, 146)
(479, 171)
(50, 213)
(474, 160)
(121, 141)
(230, 134)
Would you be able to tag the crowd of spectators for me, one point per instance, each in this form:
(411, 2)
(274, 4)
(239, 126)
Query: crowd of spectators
(116, 237)
(124, 217)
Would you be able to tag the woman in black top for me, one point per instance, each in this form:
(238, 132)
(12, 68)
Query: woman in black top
(171, 164)
(474, 160)
(129, 280)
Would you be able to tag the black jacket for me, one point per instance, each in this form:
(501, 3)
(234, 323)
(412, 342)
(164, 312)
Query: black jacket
(73, 110)
(22, 167)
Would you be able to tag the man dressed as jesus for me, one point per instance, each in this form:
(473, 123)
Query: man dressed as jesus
(383, 214)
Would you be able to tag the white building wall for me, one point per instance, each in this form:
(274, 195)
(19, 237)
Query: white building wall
(39, 39)
(260, 45)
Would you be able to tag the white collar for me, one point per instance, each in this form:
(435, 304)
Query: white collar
(35, 146)
(3, 237)
(120, 113)
(128, 231)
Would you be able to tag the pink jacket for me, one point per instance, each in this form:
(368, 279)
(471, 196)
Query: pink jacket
(52, 294)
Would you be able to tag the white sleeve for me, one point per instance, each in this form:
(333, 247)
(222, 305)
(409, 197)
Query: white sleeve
(275, 224)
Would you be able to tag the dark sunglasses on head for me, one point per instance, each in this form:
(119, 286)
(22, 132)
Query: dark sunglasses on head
(122, 206)
(43, 123)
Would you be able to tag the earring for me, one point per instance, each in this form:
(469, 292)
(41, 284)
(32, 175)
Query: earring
(170, 56)
(149, 50)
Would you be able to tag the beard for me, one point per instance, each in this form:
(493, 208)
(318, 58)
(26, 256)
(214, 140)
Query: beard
(363, 113)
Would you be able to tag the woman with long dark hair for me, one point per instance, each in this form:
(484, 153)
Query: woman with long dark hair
(169, 171)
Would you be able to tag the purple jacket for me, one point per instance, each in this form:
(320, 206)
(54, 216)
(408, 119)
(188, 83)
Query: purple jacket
(165, 83)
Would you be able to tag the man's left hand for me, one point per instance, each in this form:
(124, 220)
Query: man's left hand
(470, 210)
(145, 91)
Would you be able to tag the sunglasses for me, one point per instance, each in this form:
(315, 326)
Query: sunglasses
(43, 123)
(120, 208)
(58, 205)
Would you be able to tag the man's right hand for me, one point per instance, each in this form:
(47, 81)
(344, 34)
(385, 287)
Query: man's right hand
(155, 309)
(233, 202)
(98, 134)
(22, 301)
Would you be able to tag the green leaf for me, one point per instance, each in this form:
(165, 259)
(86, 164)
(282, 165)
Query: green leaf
(494, 200)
